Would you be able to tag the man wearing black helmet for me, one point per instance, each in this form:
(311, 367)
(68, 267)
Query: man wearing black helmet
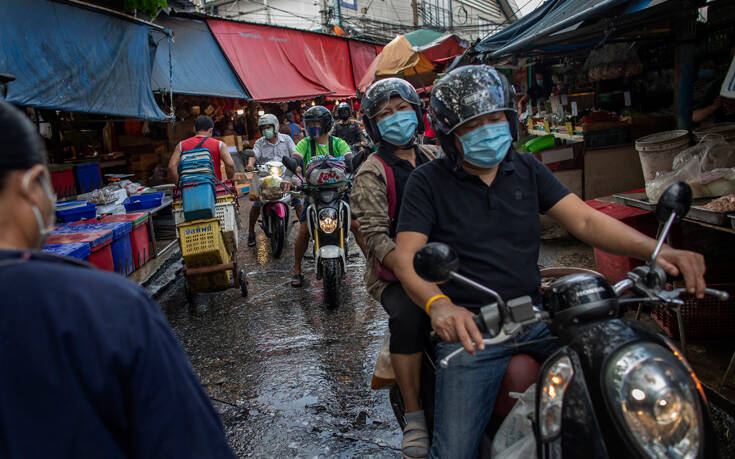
(346, 128)
(392, 114)
(318, 121)
(483, 199)
(90, 367)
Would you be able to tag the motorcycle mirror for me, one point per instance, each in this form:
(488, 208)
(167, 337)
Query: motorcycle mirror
(348, 164)
(435, 262)
(290, 163)
(676, 199)
(249, 153)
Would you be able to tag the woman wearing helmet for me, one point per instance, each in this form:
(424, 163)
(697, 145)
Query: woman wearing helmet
(392, 114)
(483, 200)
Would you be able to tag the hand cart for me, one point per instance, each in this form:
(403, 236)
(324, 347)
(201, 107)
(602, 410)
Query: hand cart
(209, 246)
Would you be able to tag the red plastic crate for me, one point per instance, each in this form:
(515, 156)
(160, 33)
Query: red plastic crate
(101, 254)
(139, 239)
(705, 318)
(62, 179)
(615, 267)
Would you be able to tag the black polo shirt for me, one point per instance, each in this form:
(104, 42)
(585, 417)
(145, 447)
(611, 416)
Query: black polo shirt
(401, 170)
(494, 229)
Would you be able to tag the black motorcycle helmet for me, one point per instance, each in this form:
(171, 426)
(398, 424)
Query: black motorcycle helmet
(466, 93)
(320, 114)
(577, 299)
(378, 94)
(343, 111)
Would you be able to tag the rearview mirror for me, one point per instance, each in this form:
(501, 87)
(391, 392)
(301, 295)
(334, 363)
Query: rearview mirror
(348, 164)
(291, 163)
(435, 262)
(249, 153)
(676, 199)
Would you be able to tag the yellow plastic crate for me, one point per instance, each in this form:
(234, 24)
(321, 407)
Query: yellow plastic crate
(201, 243)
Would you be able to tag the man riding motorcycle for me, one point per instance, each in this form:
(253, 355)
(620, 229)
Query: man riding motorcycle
(271, 147)
(346, 128)
(318, 121)
(483, 199)
(393, 118)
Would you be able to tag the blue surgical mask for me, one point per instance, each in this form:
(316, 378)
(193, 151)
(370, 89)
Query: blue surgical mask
(398, 128)
(487, 145)
(706, 74)
(314, 131)
(269, 133)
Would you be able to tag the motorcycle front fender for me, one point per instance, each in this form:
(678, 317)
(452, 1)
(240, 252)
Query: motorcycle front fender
(277, 208)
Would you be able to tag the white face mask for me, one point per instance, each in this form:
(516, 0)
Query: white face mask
(44, 229)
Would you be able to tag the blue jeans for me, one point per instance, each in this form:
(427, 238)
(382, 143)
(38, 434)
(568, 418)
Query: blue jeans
(466, 391)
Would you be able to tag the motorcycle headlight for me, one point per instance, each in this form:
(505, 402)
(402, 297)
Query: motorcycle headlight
(276, 171)
(328, 220)
(655, 400)
(553, 386)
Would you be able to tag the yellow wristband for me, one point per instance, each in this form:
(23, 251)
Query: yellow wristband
(431, 301)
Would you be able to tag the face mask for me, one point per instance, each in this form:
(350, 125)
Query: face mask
(43, 229)
(399, 128)
(314, 131)
(706, 74)
(487, 145)
(540, 82)
(269, 133)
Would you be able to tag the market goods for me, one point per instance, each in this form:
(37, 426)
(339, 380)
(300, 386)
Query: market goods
(723, 204)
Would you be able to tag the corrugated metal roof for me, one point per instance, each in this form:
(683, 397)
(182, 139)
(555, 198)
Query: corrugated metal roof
(551, 17)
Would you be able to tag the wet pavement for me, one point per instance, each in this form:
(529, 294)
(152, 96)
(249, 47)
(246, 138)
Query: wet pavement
(291, 378)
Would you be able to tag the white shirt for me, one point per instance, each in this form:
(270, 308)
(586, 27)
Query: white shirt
(266, 151)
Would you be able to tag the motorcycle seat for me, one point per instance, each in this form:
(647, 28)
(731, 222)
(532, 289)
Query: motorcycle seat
(521, 373)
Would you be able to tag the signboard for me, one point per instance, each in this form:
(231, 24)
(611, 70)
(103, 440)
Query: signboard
(728, 86)
(351, 4)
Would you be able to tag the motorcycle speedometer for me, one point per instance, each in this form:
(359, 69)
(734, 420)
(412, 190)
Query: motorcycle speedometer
(327, 196)
(655, 401)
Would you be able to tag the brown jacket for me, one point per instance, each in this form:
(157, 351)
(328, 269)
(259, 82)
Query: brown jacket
(370, 205)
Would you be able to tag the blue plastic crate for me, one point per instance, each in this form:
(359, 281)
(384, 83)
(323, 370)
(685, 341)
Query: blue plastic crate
(89, 177)
(122, 250)
(143, 201)
(78, 250)
(199, 201)
(77, 213)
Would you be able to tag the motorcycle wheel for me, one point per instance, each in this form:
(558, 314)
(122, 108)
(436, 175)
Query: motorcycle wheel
(277, 237)
(331, 278)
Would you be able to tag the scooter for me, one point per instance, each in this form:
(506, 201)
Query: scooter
(328, 217)
(275, 213)
(613, 389)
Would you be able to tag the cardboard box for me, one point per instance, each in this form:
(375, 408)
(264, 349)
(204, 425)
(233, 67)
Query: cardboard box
(611, 170)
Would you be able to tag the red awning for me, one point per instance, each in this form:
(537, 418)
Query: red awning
(448, 49)
(362, 55)
(282, 64)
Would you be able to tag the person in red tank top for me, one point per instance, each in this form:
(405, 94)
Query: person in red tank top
(203, 127)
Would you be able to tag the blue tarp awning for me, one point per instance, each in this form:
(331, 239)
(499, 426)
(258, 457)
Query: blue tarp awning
(552, 17)
(75, 59)
(199, 66)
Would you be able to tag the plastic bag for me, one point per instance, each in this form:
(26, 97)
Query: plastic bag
(383, 375)
(708, 167)
(515, 438)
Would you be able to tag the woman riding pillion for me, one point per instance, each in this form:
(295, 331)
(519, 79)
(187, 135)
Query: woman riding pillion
(483, 199)
(392, 115)
(319, 122)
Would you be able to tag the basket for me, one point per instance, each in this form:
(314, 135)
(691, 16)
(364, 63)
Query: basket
(201, 243)
(226, 212)
(705, 318)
